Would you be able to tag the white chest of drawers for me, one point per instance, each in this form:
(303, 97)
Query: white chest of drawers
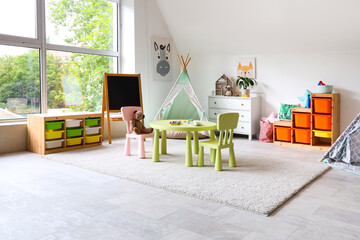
(248, 109)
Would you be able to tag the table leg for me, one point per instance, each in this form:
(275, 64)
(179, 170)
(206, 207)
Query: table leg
(196, 142)
(156, 146)
(188, 158)
(163, 142)
(212, 151)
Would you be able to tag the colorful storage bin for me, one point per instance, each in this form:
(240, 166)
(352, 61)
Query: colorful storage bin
(302, 120)
(92, 121)
(283, 134)
(322, 122)
(92, 130)
(322, 105)
(323, 134)
(54, 144)
(51, 134)
(73, 141)
(92, 139)
(302, 135)
(73, 123)
(74, 132)
(54, 125)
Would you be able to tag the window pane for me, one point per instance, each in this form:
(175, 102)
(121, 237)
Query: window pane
(74, 81)
(18, 17)
(82, 23)
(19, 82)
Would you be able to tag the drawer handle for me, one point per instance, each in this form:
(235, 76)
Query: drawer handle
(242, 104)
(242, 127)
(214, 102)
(242, 115)
(215, 113)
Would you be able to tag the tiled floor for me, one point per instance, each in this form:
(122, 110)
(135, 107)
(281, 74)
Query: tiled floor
(42, 199)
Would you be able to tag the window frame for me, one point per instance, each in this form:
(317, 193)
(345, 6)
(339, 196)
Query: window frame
(40, 43)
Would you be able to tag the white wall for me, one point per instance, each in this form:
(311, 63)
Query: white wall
(284, 77)
(13, 137)
(149, 23)
(296, 44)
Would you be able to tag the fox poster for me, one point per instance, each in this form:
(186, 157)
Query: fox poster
(246, 67)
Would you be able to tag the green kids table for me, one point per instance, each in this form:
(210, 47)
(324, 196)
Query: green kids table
(165, 125)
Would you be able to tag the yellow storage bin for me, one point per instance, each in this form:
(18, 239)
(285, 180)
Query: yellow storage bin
(323, 134)
(51, 134)
(92, 139)
(73, 141)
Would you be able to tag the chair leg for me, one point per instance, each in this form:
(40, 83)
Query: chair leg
(212, 155)
(141, 148)
(232, 160)
(200, 159)
(127, 150)
(218, 163)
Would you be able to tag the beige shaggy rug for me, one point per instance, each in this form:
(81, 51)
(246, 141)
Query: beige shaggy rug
(266, 176)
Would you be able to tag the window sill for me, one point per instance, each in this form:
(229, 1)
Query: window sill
(6, 124)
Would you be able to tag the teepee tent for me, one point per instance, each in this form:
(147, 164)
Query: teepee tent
(181, 103)
(345, 152)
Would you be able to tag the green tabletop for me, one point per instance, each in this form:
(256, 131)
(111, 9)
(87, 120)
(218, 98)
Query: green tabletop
(185, 126)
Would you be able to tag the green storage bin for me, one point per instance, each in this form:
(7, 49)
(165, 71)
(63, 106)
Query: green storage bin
(74, 132)
(54, 125)
(92, 121)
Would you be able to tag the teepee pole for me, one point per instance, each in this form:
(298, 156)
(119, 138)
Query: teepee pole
(187, 56)
(181, 62)
(188, 61)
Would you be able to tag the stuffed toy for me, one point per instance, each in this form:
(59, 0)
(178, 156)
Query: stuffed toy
(136, 125)
(228, 91)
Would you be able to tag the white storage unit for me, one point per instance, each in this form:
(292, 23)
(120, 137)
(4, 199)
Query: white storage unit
(92, 130)
(73, 123)
(54, 144)
(248, 109)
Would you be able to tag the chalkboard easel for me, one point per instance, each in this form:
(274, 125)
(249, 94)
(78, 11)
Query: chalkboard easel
(119, 90)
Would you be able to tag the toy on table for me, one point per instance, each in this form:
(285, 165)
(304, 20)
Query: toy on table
(320, 83)
(175, 122)
(136, 125)
(196, 123)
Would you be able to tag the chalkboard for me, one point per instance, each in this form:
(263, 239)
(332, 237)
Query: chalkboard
(123, 90)
(119, 90)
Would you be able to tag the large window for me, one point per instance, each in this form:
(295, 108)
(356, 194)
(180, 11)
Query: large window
(19, 82)
(53, 58)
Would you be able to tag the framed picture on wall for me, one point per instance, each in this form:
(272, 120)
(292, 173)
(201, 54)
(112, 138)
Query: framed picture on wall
(161, 58)
(246, 67)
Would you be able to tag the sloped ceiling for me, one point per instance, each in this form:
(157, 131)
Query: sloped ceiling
(237, 27)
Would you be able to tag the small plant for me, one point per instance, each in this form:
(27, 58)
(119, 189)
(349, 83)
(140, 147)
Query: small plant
(245, 83)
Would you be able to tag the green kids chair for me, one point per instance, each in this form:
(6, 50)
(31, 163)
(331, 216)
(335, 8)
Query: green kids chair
(226, 122)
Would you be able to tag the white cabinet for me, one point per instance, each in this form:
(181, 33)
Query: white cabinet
(248, 109)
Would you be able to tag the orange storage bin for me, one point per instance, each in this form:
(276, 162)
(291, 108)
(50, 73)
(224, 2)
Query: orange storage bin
(322, 105)
(302, 135)
(283, 134)
(322, 122)
(302, 120)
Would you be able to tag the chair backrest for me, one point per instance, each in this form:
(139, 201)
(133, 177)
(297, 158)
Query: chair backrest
(128, 115)
(226, 123)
